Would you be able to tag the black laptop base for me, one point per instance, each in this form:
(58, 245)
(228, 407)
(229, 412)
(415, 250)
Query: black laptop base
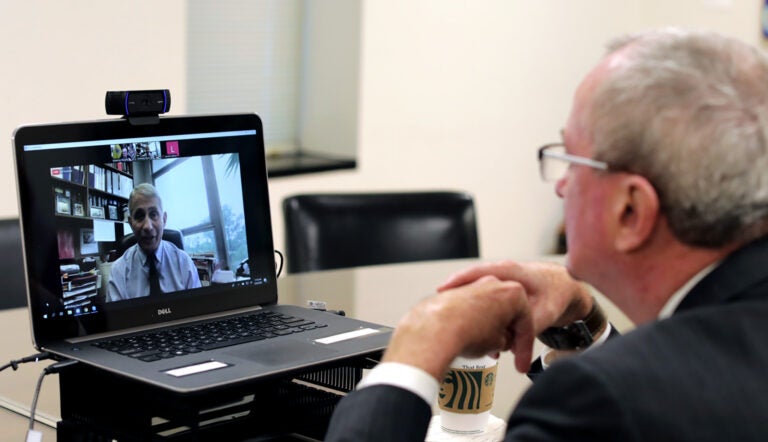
(97, 405)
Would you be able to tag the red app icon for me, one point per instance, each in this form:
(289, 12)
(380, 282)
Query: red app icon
(172, 148)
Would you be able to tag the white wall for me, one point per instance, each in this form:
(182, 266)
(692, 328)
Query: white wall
(329, 96)
(459, 94)
(59, 58)
(453, 93)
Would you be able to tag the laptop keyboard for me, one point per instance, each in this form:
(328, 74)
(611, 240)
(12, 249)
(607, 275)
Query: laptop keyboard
(164, 344)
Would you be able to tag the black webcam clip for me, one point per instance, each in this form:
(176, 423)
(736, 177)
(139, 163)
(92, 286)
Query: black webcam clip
(138, 107)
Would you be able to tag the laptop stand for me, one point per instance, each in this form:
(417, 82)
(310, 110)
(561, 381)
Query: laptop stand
(99, 406)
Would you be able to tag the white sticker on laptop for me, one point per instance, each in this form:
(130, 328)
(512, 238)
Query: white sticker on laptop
(197, 368)
(348, 335)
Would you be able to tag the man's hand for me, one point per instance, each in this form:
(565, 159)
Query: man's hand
(555, 298)
(484, 316)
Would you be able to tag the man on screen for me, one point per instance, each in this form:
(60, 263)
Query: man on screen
(152, 266)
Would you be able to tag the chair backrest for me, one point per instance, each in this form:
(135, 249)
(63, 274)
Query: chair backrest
(170, 235)
(329, 231)
(14, 291)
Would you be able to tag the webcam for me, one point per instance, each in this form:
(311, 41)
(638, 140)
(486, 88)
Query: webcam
(138, 103)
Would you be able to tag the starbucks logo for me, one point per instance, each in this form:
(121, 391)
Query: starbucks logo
(468, 390)
(460, 390)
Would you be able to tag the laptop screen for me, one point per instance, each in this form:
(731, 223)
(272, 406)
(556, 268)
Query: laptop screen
(198, 222)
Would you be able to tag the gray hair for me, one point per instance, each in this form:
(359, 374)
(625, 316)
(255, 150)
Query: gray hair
(689, 111)
(144, 190)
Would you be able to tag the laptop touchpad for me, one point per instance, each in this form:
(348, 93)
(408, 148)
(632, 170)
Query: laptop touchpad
(286, 353)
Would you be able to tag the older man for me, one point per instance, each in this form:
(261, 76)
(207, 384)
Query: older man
(152, 266)
(663, 169)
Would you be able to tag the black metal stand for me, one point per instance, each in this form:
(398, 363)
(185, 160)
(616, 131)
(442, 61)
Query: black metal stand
(100, 406)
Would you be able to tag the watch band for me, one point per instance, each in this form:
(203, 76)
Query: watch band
(578, 335)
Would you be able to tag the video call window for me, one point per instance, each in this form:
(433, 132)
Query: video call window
(201, 196)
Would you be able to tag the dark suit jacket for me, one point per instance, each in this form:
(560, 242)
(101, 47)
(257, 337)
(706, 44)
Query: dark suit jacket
(700, 375)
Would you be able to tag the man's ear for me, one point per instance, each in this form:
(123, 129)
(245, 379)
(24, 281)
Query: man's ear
(637, 213)
(165, 217)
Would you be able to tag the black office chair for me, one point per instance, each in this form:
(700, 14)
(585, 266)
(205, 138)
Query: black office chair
(14, 291)
(170, 235)
(329, 231)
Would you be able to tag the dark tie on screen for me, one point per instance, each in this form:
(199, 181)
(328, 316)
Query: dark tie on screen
(154, 277)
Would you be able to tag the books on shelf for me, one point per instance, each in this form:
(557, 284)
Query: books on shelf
(105, 189)
(62, 173)
(73, 174)
(102, 178)
(110, 181)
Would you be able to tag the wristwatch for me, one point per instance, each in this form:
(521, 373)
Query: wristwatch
(578, 335)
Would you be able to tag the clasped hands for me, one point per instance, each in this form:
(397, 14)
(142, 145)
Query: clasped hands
(487, 309)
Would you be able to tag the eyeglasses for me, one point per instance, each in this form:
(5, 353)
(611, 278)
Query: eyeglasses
(554, 162)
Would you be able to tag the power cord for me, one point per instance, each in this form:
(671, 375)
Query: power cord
(32, 358)
(282, 260)
(33, 435)
(243, 270)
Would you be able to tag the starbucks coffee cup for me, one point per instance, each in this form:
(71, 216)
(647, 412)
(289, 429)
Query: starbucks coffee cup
(466, 395)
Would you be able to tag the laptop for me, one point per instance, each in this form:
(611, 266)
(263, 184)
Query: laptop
(74, 181)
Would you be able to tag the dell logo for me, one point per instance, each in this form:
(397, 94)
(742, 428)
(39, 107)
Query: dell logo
(163, 311)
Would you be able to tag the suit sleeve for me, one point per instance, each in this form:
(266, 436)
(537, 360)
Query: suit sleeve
(569, 401)
(380, 413)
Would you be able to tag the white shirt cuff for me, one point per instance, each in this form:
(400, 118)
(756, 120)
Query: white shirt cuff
(407, 377)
